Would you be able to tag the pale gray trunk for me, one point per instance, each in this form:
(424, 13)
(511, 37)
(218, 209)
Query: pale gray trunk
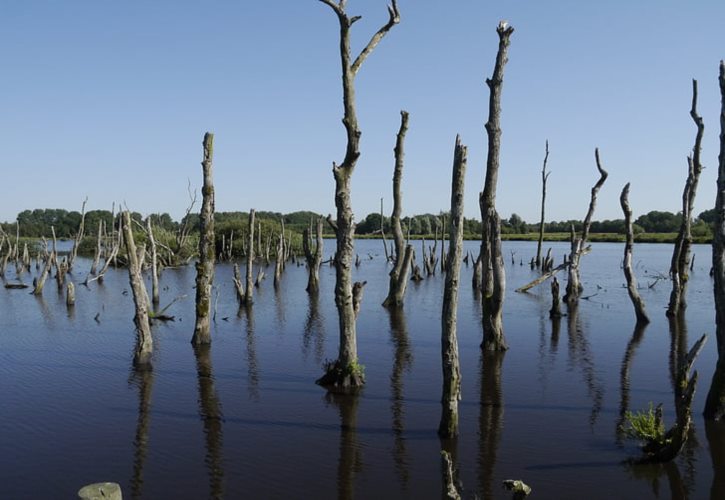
(205, 265)
(544, 178)
(40, 283)
(154, 266)
(249, 290)
(79, 236)
(313, 259)
(97, 255)
(637, 301)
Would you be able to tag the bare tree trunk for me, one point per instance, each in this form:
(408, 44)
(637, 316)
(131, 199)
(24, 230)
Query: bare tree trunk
(448, 426)
(346, 372)
(637, 301)
(313, 259)
(382, 232)
(544, 178)
(97, 255)
(205, 265)
(555, 311)
(70, 298)
(681, 253)
(249, 291)
(40, 283)
(79, 236)
(154, 266)
(403, 254)
(144, 342)
(279, 259)
(715, 403)
(493, 279)
(573, 285)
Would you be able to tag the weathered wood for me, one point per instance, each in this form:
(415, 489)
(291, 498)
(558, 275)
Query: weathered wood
(681, 253)
(249, 290)
(97, 254)
(40, 282)
(314, 260)
(555, 311)
(634, 296)
(144, 341)
(279, 260)
(403, 254)
(238, 284)
(205, 265)
(715, 403)
(154, 265)
(573, 285)
(347, 373)
(494, 278)
(544, 178)
(451, 393)
(382, 232)
(79, 236)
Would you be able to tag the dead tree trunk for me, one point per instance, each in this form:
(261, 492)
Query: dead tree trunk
(97, 255)
(403, 254)
(382, 232)
(448, 427)
(544, 178)
(144, 342)
(345, 372)
(154, 266)
(637, 301)
(573, 285)
(279, 260)
(493, 278)
(205, 265)
(313, 259)
(715, 403)
(681, 254)
(555, 311)
(40, 283)
(249, 290)
(79, 236)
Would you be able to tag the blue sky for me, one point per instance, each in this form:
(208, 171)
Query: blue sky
(110, 100)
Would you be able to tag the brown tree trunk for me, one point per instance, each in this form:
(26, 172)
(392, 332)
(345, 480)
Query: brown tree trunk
(403, 254)
(544, 178)
(555, 311)
(346, 372)
(313, 259)
(637, 301)
(448, 427)
(715, 403)
(205, 265)
(144, 342)
(494, 278)
(681, 252)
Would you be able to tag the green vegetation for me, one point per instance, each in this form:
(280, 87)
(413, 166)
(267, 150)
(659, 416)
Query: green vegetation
(646, 426)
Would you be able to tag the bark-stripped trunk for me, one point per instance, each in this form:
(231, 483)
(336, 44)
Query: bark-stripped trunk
(144, 342)
(555, 311)
(382, 232)
(249, 290)
(40, 283)
(345, 371)
(97, 255)
(154, 266)
(494, 278)
(403, 254)
(544, 178)
(578, 245)
(79, 236)
(448, 426)
(681, 253)
(313, 259)
(637, 301)
(205, 265)
(715, 404)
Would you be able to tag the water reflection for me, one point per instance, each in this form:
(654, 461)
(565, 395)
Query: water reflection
(210, 412)
(247, 310)
(654, 473)
(580, 354)
(402, 362)
(715, 434)
(632, 345)
(314, 329)
(350, 460)
(144, 380)
(490, 419)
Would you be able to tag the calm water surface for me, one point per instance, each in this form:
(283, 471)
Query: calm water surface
(244, 419)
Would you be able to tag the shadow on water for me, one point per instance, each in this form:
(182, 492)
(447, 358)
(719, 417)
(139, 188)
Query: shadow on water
(490, 419)
(580, 354)
(247, 311)
(715, 433)
(350, 460)
(402, 362)
(624, 381)
(314, 329)
(144, 381)
(210, 411)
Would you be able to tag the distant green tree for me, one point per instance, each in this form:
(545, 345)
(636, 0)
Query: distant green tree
(660, 222)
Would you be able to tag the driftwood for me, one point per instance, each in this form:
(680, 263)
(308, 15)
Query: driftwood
(345, 372)
(637, 301)
(544, 178)
(681, 253)
(448, 427)
(144, 342)
(403, 253)
(493, 277)
(715, 403)
(205, 265)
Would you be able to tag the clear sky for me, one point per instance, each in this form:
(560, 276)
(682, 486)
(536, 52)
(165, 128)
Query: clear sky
(111, 99)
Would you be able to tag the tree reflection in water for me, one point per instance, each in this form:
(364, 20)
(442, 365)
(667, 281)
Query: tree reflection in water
(580, 354)
(314, 329)
(210, 411)
(350, 460)
(247, 310)
(144, 380)
(402, 362)
(624, 381)
(490, 419)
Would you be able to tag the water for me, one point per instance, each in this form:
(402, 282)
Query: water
(244, 419)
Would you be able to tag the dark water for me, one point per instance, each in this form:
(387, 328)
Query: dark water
(243, 419)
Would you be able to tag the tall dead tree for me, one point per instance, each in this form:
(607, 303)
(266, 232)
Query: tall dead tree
(154, 265)
(249, 290)
(79, 236)
(205, 265)
(493, 278)
(573, 285)
(637, 301)
(681, 253)
(715, 403)
(313, 259)
(448, 427)
(403, 253)
(544, 178)
(345, 371)
(144, 342)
